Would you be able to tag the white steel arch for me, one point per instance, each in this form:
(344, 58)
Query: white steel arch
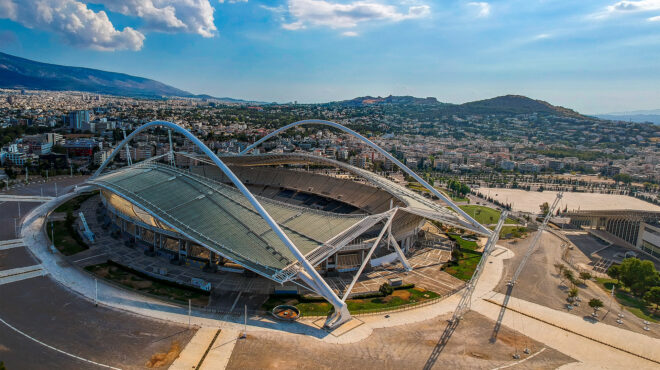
(309, 275)
(380, 150)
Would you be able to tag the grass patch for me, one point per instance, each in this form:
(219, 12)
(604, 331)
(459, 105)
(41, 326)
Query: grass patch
(635, 305)
(145, 284)
(510, 232)
(67, 240)
(72, 205)
(485, 215)
(320, 307)
(414, 185)
(459, 199)
(465, 266)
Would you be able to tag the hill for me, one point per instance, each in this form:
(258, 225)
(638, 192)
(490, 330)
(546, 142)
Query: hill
(515, 104)
(508, 104)
(23, 73)
(370, 100)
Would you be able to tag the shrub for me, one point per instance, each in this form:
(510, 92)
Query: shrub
(456, 254)
(403, 287)
(386, 289)
(585, 275)
(614, 272)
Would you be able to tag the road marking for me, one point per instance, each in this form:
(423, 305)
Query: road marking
(24, 198)
(86, 258)
(22, 276)
(19, 270)
(4, 247)
(56, 349)
(10, 241)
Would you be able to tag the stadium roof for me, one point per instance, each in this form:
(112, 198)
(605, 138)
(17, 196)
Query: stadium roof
(416, 203)
(219, 217)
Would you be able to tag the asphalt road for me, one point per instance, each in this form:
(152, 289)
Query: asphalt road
(51, 314)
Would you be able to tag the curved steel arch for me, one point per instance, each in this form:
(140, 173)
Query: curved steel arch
(380, 150)
(341, 310)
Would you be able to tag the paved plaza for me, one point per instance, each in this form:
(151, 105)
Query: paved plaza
(409, 333)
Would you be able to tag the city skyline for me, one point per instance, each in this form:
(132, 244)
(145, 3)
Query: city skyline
(595, 56)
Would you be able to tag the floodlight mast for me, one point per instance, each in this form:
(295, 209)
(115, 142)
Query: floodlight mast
(466, 298)
(537, 237)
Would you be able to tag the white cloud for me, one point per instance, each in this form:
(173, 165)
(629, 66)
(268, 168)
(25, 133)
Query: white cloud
(323, 13)
(655, 19)
(233, 1)
(634, 6)
(73, 21)
(483, 8)
(349, 34)
(630, 6)
(186, 16)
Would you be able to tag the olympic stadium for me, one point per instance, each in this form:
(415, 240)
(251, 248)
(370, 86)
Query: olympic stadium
(268, 214)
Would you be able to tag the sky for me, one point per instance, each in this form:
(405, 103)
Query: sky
(595, 56)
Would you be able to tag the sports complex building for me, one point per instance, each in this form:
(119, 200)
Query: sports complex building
(268, 213)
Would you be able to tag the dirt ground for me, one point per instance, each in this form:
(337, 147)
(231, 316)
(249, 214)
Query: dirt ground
(529, 201)
(540, 283)
(407, 347)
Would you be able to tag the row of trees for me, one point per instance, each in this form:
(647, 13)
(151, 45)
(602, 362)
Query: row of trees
(573, 292)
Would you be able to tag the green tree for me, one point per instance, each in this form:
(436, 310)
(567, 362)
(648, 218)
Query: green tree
(386, 289)
(456, 254)
(596, 304)
(652, 296)
(545, 208)
(10, 173)
(638, 275)
(572, 293)
(560, 267)
(584, 275)
(568, 275)
(614, 272)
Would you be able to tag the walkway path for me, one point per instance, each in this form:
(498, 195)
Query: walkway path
(195, 352)
(590, 353)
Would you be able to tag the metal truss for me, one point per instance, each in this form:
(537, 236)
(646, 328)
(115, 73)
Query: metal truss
(466, 298)
(310, 275)
(537, 237)
(366, 260)
(382, 152)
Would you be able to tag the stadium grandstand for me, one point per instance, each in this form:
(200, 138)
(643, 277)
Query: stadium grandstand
(268, 214)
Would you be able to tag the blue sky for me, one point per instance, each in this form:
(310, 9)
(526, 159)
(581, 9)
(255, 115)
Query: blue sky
(593, 56)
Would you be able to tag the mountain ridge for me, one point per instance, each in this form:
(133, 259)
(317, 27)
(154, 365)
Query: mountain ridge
(23, 73)
(505, 104)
